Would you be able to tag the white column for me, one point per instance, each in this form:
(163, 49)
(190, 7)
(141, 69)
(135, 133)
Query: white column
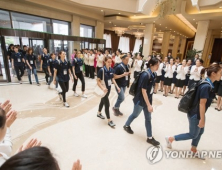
(75, 26)
(99, 30)
(201, 35)
(165, 44)
(148, 39)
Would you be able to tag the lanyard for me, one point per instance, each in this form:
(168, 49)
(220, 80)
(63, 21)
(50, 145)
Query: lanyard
(209, 80)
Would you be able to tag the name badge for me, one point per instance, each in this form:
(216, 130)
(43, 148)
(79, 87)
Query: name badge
(81, 68)
(19, 60)
(31, 61)
(126, 78)
(65, 72)
(109, 82)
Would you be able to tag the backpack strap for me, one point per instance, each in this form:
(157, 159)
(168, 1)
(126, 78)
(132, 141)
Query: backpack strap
(123, 67)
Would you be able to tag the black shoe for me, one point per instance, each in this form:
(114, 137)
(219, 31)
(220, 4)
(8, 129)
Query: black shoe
(120, 113)
(128, 129)
(100, 116)
(30, 82)
(116, 111)
(153, 141)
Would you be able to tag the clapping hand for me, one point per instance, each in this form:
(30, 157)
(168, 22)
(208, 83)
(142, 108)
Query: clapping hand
(10, 117)
(77, 165)
(6, 106)
(32, 143)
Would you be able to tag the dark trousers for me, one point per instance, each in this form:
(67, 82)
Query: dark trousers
(65, 88)
(86, 70)
(81, 77)
(92, 72)
(136, 74)
(46, 74)
(105, 101)
(21, 69)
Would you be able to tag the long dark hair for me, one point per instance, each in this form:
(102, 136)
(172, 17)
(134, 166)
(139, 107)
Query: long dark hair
(37, 158)
(213, 68)
(152, 62)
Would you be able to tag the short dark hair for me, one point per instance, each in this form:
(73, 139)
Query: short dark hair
(2, 118)
(152, 62)
(36, 158)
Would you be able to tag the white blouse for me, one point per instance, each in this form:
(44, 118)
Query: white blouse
(195, 75)
(118, 60)
(86, 59)
(159, 71)
(138, 64)
(100, 60)
(91, 60)
(5, 147)
(169, 71)
(181, 72)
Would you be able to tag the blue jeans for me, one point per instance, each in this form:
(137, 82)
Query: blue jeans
(120, 98)
(194, 133)
(51, 79)
(136, 111)
(33, 72)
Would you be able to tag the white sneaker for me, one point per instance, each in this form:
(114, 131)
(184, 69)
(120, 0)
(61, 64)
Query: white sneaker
(84, 96)
(75, 94)
(60, 96)
(169, 144)
(66, 104)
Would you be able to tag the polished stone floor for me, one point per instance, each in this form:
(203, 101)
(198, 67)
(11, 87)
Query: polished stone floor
(76, 133)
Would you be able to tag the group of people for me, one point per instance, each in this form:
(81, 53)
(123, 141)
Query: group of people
(168, 76)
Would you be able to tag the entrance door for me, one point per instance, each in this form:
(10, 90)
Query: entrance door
(37, 45)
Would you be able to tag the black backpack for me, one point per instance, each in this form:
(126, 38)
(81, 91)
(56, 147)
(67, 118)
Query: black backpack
(186, 103)
(133, 87)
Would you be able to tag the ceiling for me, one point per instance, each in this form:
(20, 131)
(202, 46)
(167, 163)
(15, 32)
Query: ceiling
(163, 15)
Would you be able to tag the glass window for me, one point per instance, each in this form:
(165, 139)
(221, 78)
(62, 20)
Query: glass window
(29, 22)
(60, 27)
(87, 31)
(5, 19)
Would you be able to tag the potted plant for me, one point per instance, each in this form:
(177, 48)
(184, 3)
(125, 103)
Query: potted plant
(191, 53)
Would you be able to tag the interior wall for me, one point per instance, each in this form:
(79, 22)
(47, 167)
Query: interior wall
(217, 50)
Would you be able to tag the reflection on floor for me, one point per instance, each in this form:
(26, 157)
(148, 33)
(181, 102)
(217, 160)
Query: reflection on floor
(76, 132)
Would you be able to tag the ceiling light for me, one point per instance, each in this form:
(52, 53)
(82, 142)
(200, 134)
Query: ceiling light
(119, 13)
(115, 25)
(160, 24)
(220, 7)
(194, 19)
(134, 15)
(174, 31)
(153, 21)
(101, 10)
(166, 27)
(184, 20)
(110, 22)
(170, 29)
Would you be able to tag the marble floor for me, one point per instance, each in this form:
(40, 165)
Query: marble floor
(76, 133)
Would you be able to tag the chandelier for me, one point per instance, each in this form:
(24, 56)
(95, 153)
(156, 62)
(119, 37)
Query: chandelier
(120, 30)
(138, 35)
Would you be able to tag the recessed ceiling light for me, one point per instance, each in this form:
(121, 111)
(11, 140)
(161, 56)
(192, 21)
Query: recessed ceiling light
(160, 24)
(110, 22)
(194, 19)
(153, 21)
(115, 25)
(101, 10)
(220, 7)
(174, 31)
(119, 13)
(170, 29)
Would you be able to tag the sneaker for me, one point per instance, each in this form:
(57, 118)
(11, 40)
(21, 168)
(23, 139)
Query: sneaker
(152, 141)
(111, 124)
(76, 95)
(169, 144)
(120, 113)
(20, 82)
(128, 129)
(66, 104)
(60, 96)
(38, 84)
(100, 116)
(116, 111)
(84, 96)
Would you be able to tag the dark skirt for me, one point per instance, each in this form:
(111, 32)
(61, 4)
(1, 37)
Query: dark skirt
(163, 74)
(174, 78)
(158, 78)
(217, 85)
(180, 83)
(168, 81)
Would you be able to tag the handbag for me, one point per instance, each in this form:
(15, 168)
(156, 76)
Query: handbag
(98, 91)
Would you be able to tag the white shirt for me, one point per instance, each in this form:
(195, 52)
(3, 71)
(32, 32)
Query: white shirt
(195, 75)
(169, 71)
(181, 72)
(130, 62)
(159, 71)
(6, 147)
(138, 64)
(145, 65)
(91, 59)
(86, 59)
(100, 60)
(118, 60)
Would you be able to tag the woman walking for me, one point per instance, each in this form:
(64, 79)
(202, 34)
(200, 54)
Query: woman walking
(63, 72)
(106, 72)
